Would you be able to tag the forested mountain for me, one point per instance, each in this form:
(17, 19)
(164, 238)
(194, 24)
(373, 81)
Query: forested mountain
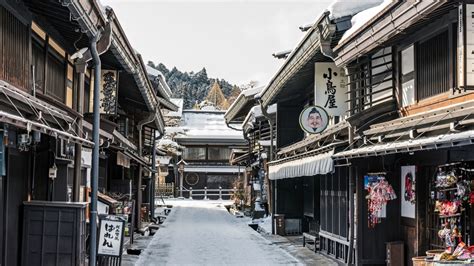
(192, 86)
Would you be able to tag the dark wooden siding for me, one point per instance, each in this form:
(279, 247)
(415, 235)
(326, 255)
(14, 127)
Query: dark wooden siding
(37, 51)
(433, 66)
(334, 205)
(14, 42)
(56, 77)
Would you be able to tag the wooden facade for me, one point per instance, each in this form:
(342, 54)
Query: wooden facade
(40, 108)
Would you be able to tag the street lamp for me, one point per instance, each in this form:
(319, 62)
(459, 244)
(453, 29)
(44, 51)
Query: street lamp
(181, 165)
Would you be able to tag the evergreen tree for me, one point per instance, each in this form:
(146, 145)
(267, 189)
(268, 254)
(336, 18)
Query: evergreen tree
(193, 86)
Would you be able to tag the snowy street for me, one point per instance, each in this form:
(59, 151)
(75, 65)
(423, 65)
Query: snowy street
(204, 233)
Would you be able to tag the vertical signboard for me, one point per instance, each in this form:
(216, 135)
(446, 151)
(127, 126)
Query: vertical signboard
(108, 92)
(460, 51)
(110, 237)
(469, 48)
(408, 198)
(330, 88)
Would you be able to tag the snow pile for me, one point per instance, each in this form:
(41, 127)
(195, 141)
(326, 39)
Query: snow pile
(362, 17)
(342, 8)
(264, 224)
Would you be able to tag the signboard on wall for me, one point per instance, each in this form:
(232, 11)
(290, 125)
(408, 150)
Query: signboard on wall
(110, 237)
(314, 119)
(330, 88)
(465, 49)
(408, 193)
(460, 48)
(469, 45)
(108, 92)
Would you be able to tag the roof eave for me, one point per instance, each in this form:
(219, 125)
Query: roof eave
(382, 28)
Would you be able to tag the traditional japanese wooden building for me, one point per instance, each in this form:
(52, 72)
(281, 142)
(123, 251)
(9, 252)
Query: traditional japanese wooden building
(411, 123)
(407, 122)
(207, 146)
(46, 76)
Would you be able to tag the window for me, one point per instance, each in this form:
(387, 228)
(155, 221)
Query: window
(432, 66)
(195, 153)
(370, 80)
(56, 80)
(37, 49)
(408, 76)
(218, 153)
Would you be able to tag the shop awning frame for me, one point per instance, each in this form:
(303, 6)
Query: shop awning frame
(30, 125)
(318, 164)
(412, 145)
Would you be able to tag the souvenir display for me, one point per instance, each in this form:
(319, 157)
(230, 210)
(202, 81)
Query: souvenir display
(453, 195)
(379, 193)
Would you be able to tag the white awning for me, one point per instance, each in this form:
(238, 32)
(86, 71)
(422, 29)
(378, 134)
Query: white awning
(309, 166)
(213, 169)
(422, 144)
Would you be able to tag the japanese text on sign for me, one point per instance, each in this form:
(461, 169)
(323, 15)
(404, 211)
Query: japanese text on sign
(110, 238)
(330, 88)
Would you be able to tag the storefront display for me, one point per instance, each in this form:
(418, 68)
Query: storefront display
(452, 195)
(379, 193)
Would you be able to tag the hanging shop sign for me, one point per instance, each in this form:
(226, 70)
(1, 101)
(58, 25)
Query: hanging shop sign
(314, 119)
(2, 154)
(111, 236)
(379, 193)
(330, 88)
(123, 160)
(408, 198)
(108, 92)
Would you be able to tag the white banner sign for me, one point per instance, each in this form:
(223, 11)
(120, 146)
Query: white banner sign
(470, 44)
(408, 176)
(110, 238)
(330, 88)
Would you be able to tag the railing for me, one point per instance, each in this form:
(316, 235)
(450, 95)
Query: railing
(165, 189)
(209, 193)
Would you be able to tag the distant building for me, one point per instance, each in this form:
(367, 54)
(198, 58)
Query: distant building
(207, 145)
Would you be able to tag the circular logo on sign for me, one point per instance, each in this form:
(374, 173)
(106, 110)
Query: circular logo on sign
(192, 179)
(314, 119)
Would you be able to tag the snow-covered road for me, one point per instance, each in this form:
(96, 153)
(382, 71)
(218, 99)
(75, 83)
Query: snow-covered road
(204, 233)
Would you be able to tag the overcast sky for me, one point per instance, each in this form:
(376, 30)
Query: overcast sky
(233, 40)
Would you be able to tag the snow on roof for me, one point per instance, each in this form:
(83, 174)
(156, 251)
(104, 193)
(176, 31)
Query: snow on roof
(206, 124)
(252, 91)
(178, 102)
(361, 18)
(342, 8)
(152, 71)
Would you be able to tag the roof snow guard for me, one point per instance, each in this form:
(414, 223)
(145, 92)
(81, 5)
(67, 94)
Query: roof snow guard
(319, 164)
(412, 145)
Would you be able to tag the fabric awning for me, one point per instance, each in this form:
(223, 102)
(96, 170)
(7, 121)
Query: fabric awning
(309, 166)
(412, 145)
(213, 169)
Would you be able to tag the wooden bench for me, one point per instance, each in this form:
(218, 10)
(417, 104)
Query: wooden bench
(310, 241)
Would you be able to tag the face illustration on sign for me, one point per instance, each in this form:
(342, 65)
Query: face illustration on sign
(314, 119)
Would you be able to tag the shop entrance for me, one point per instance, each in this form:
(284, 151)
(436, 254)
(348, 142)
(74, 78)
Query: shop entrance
(16, 184)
